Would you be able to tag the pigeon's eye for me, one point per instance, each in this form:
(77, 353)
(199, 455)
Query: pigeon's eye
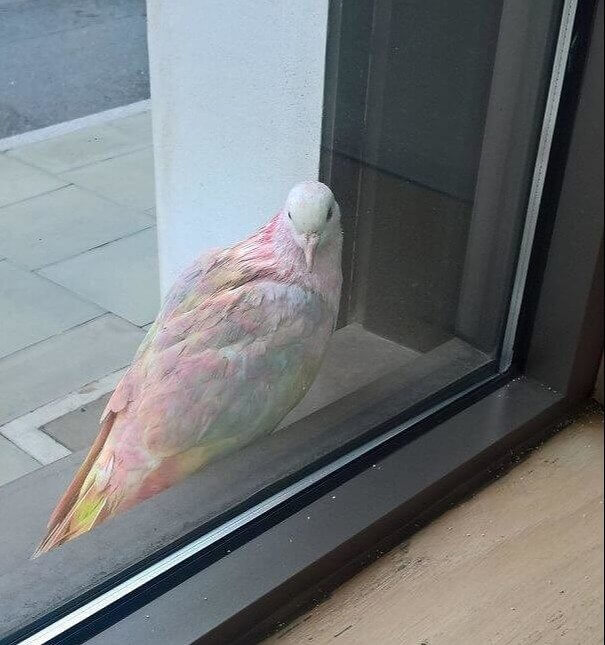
(289, 214)
(329, 215)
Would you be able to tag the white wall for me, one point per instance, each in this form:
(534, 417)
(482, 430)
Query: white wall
(237, 91)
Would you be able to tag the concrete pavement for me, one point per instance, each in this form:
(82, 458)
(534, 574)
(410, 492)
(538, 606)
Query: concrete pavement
(76, 221)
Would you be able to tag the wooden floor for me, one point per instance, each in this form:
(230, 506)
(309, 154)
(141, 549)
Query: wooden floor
(521, 562)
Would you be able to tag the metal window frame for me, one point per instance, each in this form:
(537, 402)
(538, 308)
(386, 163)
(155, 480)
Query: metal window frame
(268, 569)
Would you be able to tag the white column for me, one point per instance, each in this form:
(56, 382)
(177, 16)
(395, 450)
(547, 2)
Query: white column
(237, 91)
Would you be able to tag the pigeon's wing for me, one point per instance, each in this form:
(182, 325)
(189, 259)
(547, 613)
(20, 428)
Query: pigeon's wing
(235, 346)
(231, 367)
(213, 377)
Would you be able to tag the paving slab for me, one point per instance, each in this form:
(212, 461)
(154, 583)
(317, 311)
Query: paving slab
(64, 363)
(58, 225)
(137, 126)
(121, 277)
(14, 462)
(19, 181)
(78, 429)
(34, 308)
(79, 148)
(126, 180)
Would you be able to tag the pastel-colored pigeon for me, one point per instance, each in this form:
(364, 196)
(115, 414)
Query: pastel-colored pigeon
(236, 345)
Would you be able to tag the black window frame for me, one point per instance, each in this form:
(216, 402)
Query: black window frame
(241, 586)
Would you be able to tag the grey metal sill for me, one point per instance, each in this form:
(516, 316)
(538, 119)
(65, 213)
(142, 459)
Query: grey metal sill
(243, 595)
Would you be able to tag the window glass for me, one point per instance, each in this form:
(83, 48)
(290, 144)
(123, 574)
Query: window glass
(430, 119)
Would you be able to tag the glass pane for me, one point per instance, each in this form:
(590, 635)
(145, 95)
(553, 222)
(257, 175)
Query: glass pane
(431, 117)
(420, 164)
(429, 148)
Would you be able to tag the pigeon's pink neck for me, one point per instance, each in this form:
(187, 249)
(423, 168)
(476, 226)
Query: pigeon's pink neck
(288, 262)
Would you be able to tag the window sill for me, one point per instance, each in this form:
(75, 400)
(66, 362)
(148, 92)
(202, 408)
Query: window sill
(250, 587)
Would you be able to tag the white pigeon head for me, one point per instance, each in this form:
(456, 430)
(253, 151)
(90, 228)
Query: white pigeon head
(313, 215)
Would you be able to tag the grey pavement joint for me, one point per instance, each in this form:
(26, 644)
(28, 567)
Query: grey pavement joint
(61, 364)
(130, 263)
(79, 148)
(58, 225)
(19, 181)
(127, 179)
(34, 309)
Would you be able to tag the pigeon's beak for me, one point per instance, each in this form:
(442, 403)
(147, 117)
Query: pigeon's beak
(311, 242)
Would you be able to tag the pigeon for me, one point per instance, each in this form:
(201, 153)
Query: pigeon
(236, 345)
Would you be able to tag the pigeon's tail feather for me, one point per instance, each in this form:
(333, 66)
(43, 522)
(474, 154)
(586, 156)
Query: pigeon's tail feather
(78, 503)
(88, 511)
